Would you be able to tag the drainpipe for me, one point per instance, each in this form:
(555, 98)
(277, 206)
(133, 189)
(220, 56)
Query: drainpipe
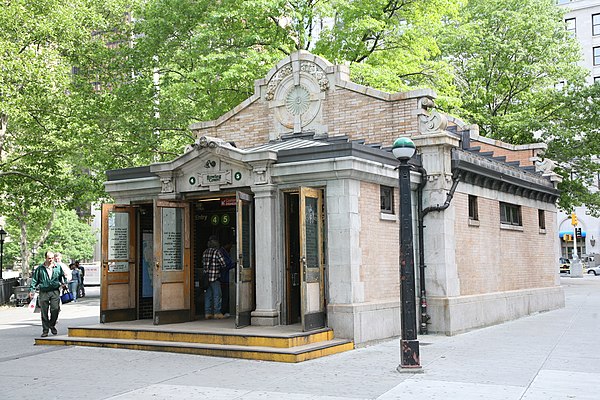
(421, 213)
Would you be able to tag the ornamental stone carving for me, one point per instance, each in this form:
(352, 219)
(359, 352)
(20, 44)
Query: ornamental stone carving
(431, 123)
(295, 93)
(167, 185)
(305, 66)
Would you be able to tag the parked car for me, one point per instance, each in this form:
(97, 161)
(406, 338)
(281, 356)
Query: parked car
(565, 265)
(594, 270)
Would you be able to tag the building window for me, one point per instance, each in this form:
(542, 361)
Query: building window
(386, 195)
(541, 219)
(510, 214)
(597, 79)
(596, 55)
(571, 26)
(473, 209)
(596, 24)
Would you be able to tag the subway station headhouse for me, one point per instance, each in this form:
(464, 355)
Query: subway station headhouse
(301, 180)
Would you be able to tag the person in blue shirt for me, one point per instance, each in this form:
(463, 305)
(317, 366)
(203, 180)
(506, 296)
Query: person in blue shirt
(229, 265)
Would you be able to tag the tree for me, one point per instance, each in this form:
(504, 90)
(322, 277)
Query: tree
(68, 235)
(517, 77)
(208, 54)
(42, 165)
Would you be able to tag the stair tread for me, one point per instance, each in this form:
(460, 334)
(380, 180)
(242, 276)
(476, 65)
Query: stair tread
(262, 349)
(195, 331)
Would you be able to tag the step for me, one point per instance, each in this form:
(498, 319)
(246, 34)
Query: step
(265, 353)
(231, 338)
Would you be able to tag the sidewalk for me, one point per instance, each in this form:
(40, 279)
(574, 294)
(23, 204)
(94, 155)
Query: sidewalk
(551, 355)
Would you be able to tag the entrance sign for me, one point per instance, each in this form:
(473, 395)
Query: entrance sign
(311, 258)
(118, 266)
(172, 224)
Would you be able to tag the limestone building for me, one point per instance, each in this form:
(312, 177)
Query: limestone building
(300, 178)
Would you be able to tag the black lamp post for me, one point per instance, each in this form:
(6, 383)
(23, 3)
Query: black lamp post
(3, 234)
(403, 149)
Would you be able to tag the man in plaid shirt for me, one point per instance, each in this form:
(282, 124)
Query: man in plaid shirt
(213, 262)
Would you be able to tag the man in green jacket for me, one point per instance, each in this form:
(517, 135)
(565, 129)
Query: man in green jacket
(48, 278)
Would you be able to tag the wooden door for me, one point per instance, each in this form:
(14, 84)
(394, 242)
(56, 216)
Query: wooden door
(118, 290)
(311, 259)
(172, 257)
(245, 300)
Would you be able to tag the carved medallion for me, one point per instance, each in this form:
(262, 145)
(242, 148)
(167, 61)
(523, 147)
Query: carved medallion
(297, 101)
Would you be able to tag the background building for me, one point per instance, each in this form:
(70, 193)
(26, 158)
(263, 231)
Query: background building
(583, 20)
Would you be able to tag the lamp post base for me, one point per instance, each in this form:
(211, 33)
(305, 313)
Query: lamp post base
(409, 353)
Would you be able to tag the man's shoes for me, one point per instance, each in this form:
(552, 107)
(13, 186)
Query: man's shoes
(209, 316)
(219, 316)
(53, 330)
(44, 334)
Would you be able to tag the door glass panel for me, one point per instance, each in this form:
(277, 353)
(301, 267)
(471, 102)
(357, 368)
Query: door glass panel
(245, 242)
(312, 233)
(172, 239)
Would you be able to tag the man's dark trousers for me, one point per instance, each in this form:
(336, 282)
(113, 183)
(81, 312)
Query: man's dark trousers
(49, 301)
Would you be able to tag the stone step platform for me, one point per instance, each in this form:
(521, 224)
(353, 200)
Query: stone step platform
(267, 344)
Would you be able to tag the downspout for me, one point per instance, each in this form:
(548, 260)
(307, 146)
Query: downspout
(421, 213)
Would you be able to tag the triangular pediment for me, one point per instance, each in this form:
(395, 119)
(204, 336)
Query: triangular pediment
(212, 164)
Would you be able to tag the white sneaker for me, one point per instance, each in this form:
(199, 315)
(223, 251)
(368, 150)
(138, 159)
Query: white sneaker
(226, 315)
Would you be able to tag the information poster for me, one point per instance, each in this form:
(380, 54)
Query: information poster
(118, 266)
(312, 233)
(118, 241)
(147, 257)
(172, 239)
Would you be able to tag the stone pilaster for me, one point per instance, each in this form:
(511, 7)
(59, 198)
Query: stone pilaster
(267, 242)
(441, 275)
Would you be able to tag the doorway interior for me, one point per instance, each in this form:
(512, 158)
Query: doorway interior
(214, 216)
(292, 264)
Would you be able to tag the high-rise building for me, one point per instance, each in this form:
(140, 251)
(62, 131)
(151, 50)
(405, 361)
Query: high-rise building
(583, 20)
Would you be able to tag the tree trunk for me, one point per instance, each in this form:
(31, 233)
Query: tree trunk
(26, 252)
(3, 123)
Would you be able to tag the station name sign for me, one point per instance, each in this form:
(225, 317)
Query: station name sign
(215, 178)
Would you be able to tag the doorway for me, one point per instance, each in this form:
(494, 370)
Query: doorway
(304, 265)
(292, 265)
(146, 257)
(214, 217)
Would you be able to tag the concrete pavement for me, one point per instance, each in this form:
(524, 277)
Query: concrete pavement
(546, 356)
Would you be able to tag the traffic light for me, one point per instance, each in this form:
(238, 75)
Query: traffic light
(567, 237)
(574, 219)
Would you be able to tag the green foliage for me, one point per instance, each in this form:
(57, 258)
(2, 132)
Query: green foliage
(574, 143)
(69, 235)
(509, 57)
(113, 84)
(209, 53)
